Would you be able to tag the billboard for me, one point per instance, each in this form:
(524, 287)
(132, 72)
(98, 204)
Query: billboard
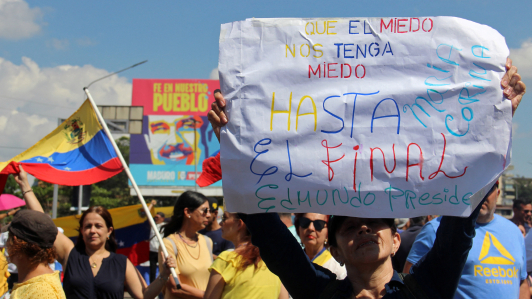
(174, 124)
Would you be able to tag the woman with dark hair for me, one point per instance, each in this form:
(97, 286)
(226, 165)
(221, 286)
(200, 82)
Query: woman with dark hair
(92, 268)
(312, 230)
(30, 247)
(192, 251)
(241, 273)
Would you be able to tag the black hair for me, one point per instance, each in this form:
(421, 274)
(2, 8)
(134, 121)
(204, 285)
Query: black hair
(418, 220)
(335, 223)
(518, 202)
(191, 200)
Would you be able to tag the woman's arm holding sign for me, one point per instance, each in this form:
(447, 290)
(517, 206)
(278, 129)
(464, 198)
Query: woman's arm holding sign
(278, 248)
(284, 256)
(514, 88)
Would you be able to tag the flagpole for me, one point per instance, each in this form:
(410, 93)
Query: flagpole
(133, 183)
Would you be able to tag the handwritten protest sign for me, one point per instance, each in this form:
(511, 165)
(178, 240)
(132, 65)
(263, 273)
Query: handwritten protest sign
(375, 117)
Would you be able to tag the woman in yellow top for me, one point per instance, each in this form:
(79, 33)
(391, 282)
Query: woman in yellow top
(192, 251)
(241, 273)
(312, 229)
(31, 248)
(92, 269)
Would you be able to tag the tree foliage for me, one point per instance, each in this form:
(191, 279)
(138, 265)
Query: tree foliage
(523, 188)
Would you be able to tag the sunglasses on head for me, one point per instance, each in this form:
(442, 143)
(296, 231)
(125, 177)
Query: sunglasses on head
(304, 222)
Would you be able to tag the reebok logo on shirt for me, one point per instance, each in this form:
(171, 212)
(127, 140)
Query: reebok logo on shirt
(497, 256)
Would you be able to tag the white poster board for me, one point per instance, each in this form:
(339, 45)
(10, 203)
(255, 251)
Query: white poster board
(373, 117)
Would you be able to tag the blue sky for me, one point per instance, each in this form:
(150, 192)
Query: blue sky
(50, 50)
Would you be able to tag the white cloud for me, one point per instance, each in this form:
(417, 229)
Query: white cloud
(33, 98)
(58, 44)
(3, 122)
(85, 42)
(522, 58)
(214, 74)
(18, 20)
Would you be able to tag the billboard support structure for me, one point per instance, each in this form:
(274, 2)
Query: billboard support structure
(193, 121)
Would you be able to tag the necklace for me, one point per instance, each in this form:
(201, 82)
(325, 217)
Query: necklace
(93, 264)
(185, 241)
(186, 247)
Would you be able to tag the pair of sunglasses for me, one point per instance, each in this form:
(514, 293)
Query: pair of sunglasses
(304, 222)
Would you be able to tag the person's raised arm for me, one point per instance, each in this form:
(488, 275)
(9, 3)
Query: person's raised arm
(278, 248)
(284, 256)
(32, 202)
(514, 88)
(10, 213)
(440, 270)
(217, 116)
(63, 245)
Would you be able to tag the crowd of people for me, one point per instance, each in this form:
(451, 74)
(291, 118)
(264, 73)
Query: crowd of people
(276, 256)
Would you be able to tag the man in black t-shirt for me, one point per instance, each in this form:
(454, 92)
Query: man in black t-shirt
(213, 230)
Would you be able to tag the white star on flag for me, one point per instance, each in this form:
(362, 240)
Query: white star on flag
(39, 160)
(50, 159)
(67, 168)
(121, 244)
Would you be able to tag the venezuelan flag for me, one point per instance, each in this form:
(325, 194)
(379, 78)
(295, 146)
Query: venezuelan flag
(132, 231)
(76, 153)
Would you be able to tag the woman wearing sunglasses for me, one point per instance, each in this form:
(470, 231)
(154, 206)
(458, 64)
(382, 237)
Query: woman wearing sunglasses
(241, 273)
(192, 251)
(312, 229)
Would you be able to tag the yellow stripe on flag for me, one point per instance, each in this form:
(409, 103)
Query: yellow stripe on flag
(122, 217)
(73, 133)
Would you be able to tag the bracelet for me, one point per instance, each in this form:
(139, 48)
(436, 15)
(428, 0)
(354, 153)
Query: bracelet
(26, 192)
(164, 279)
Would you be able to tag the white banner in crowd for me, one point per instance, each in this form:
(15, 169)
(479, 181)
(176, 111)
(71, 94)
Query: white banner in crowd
(372, 117)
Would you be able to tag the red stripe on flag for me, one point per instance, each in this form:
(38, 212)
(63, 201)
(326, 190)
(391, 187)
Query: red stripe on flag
(47, 173)
(138, 253)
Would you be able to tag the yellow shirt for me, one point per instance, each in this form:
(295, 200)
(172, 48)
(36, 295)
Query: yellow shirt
(249, 283)
(46, 286)
(192, 262)
(3, 274)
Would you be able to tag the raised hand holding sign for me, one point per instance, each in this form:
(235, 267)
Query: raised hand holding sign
(363, 116)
